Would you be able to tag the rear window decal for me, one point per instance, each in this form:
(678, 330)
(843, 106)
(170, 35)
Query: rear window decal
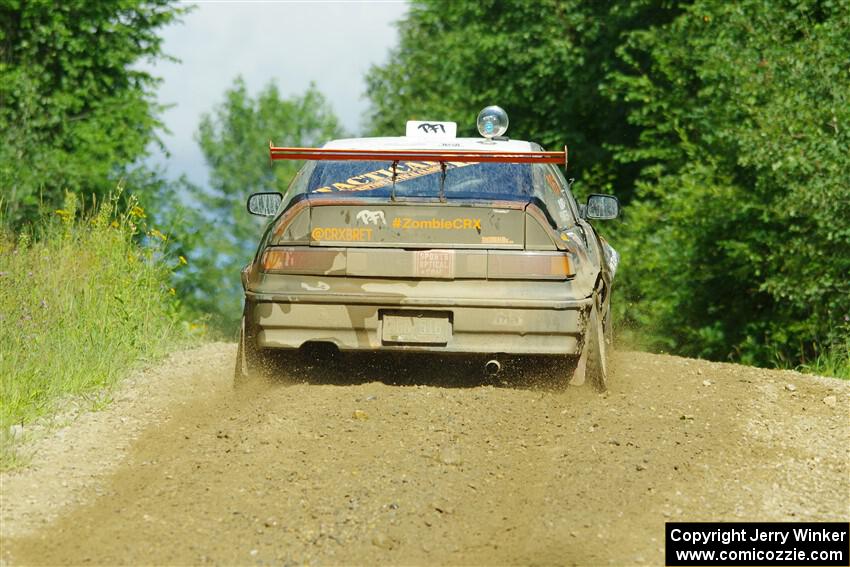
(553, 184)
(384, 177)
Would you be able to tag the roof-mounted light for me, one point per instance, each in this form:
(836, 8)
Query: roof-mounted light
(492, 122)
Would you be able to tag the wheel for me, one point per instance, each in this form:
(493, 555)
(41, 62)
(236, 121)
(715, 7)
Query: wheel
(252, 362)
(597, 351)
(608, 331)
(592, 365)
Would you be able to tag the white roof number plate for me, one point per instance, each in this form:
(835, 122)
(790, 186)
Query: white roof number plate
(421, 129)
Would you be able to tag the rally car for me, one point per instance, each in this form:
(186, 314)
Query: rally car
(431, 243)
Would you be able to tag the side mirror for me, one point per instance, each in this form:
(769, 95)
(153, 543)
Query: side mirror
(602, 207)
(264, 204)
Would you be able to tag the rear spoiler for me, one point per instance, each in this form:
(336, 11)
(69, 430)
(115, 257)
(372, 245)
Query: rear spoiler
(463, 156)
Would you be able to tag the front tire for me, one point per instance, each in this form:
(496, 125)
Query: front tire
(596, 344)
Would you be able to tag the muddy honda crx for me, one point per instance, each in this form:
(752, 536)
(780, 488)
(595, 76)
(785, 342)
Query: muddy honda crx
(431, 243)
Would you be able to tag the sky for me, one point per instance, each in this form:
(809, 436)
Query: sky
(291, 42)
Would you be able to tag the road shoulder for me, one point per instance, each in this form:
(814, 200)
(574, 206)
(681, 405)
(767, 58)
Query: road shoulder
(66, 466)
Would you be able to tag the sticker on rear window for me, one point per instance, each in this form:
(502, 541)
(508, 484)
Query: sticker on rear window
(384, 177)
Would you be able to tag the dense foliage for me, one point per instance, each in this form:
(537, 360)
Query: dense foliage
(84, 296)
(235, 140)
(543, 62)
(76, 112)
(739, 243)
(723, 126)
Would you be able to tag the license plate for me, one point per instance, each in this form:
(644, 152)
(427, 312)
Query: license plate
(416, 327)
(435, 264)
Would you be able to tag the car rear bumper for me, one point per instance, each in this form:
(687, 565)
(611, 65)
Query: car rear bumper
(481, 317)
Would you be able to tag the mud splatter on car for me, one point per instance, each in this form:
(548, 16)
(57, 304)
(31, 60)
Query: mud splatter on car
(435, 244)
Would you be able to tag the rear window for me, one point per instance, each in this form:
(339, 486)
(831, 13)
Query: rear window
(541, 183)
(414, 179)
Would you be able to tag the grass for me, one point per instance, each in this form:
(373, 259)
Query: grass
(81, 302)
(833, 361)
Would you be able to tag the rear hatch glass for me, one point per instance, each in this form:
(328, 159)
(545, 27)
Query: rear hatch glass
(417, 179)
(377, 204)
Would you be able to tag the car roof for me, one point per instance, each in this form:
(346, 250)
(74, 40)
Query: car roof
(406, 143)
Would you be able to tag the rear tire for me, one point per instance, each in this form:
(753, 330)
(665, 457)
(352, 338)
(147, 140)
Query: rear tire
(592, 363)
(252, 362)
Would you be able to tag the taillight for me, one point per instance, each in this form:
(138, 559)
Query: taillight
(529, 265)
(303, 260)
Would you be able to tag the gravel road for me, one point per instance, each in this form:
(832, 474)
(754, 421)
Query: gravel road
(423, 462)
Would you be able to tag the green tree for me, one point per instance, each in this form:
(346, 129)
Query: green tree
(76, 112)
(738, 245)
(235, 139)
(544, 62)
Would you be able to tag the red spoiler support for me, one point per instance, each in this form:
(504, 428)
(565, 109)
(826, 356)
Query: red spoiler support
(463, 156)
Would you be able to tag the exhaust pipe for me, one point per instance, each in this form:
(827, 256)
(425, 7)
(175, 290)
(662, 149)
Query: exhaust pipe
(492, 367)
